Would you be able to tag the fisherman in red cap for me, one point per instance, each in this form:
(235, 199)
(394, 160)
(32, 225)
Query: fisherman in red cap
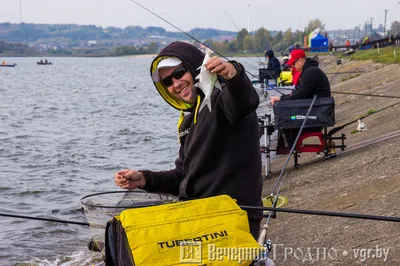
(312, 79)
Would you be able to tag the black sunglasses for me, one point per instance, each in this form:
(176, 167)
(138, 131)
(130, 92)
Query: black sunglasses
(177, 74)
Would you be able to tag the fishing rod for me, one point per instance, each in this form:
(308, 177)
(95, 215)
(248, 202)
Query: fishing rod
(339, 92)
(43, 219)
(359, 94)
(273, 88)
(326, 213)
(187, 34)
(364, 94)
(346, 72)
(281, 177)
(336, 129)
(339, 69)
(263, 233)
(272, 209)
(277, 89)
(246, 207)
(278, 184)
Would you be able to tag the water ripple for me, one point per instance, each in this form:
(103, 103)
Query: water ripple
(65, 130)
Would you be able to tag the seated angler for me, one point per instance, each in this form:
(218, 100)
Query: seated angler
(312, 81)
(274, 66)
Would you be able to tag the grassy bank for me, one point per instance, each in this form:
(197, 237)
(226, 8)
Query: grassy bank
(362, 179)
(387, 55)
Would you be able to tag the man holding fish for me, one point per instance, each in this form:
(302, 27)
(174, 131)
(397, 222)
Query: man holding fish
(220, 147)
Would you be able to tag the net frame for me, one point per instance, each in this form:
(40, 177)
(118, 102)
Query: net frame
(99, 213)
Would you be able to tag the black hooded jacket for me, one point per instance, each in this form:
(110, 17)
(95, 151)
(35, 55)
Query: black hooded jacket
(273, 64)
(312, 81)
(220, 150)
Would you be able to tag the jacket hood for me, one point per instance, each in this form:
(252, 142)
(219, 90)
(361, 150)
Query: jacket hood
(269, 53)
(191, 57)
(310, 62)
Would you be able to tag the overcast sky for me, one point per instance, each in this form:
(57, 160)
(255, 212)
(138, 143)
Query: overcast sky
(189, 14)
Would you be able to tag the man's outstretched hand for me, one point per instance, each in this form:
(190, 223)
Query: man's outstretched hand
(129, 179)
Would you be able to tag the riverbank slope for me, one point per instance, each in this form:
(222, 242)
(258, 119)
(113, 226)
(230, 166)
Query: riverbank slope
(363, 180)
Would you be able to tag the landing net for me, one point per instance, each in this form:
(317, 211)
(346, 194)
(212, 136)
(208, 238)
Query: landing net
(102, 207)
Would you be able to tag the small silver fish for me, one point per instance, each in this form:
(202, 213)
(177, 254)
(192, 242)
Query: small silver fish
(207, 82)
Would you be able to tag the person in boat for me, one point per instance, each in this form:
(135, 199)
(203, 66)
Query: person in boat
(41, 61)
(311, 80)
(219, 150)
(274, 66)
(45, 61)
(4, 63)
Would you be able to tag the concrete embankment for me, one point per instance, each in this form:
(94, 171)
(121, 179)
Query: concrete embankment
(365, 180)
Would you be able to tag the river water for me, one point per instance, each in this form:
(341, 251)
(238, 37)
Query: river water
(65, 129)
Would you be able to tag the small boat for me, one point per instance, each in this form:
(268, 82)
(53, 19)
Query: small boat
(11, 65)
(43, 63)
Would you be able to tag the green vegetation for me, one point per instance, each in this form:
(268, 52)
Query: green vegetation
(369, 112)
(350, 77)
(387, 55)
(77, 40)
(132, 50)
(262, 39)
(13, 48)
(89, 40)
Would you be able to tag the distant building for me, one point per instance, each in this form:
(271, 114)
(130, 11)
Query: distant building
(92, 43)
(156, 37)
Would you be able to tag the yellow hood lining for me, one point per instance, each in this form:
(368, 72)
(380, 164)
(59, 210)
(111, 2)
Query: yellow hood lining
(177, 103)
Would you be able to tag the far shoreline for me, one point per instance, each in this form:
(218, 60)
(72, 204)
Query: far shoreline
(107, 55)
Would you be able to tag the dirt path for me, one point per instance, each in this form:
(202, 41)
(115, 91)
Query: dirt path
(364, 180)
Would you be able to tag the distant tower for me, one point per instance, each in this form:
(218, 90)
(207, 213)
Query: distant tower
(20, 11)
(384, 29)
(372, 19)
(248, 19)
(152, 17)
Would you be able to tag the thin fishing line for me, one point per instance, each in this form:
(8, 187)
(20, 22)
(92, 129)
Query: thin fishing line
(336, 129)
(275, 199)
(43, 219)
(169, 23)
(326, 213)
(346, 72)
(187, 34)
(364, 94)
(360, 94)
(340, 69)
(288, 158)
(329, 81)
(274, 88)
(297, 137)
(250, 66)
(252, 47)
(338, 92)
(347, 93)
(291, 89)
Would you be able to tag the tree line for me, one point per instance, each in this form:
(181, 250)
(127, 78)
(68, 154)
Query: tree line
(243, 42)
(30, 32)
(262, 39)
